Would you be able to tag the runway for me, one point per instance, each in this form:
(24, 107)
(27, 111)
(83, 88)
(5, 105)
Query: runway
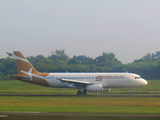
(119, 95)
(77, 116)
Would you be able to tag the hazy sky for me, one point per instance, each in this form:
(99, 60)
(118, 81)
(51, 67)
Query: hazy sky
(128, 28)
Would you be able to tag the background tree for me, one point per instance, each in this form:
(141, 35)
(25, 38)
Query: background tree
(148, 66)
(60, 55)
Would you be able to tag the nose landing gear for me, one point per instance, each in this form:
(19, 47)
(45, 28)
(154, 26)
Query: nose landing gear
(128, 93)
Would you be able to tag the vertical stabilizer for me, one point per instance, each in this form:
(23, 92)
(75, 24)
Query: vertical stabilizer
(23, 65)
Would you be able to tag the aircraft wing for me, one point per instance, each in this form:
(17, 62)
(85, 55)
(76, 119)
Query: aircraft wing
(77, 82)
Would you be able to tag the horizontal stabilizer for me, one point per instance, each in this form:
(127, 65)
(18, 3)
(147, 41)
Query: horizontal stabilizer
(19, 77)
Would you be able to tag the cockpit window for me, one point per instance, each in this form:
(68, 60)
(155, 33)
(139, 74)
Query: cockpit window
(137, 77)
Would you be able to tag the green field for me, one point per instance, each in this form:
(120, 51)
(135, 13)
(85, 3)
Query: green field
(81, 104)
(78, 104)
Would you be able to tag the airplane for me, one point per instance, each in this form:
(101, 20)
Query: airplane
(85, 82)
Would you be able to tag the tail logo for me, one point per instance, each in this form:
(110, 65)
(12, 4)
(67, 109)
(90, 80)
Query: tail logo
(29, 73)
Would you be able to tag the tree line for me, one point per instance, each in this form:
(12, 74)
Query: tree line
(148, 66)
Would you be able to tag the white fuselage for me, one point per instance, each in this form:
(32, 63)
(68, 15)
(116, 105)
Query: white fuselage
(107, 80)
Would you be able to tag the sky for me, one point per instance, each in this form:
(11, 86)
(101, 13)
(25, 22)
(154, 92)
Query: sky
(128, 28)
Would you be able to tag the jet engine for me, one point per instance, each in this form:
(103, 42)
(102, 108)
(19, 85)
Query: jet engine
(94, 88)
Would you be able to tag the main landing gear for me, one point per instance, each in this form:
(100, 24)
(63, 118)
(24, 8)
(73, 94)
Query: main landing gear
(79, 92)
(84, 92)
(128, 93)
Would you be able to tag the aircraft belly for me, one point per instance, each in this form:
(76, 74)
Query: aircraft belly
(57, 84)
(115, 83)
(121, 84)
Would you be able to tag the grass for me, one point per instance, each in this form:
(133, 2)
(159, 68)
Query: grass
(77, 104)
(81, 105)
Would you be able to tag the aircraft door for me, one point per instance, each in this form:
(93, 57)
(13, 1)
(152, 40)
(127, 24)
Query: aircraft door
(127, 79)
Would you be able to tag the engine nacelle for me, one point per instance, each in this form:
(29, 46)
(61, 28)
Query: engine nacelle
(94, 88)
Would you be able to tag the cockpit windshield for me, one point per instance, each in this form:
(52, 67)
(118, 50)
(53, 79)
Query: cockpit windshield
(137, 77)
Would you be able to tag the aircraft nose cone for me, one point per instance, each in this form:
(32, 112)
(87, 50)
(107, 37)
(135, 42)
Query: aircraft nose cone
(145, 82)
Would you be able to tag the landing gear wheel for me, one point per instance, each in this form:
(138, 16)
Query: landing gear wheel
(79, 92)
(128, 93)
(84, 92)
